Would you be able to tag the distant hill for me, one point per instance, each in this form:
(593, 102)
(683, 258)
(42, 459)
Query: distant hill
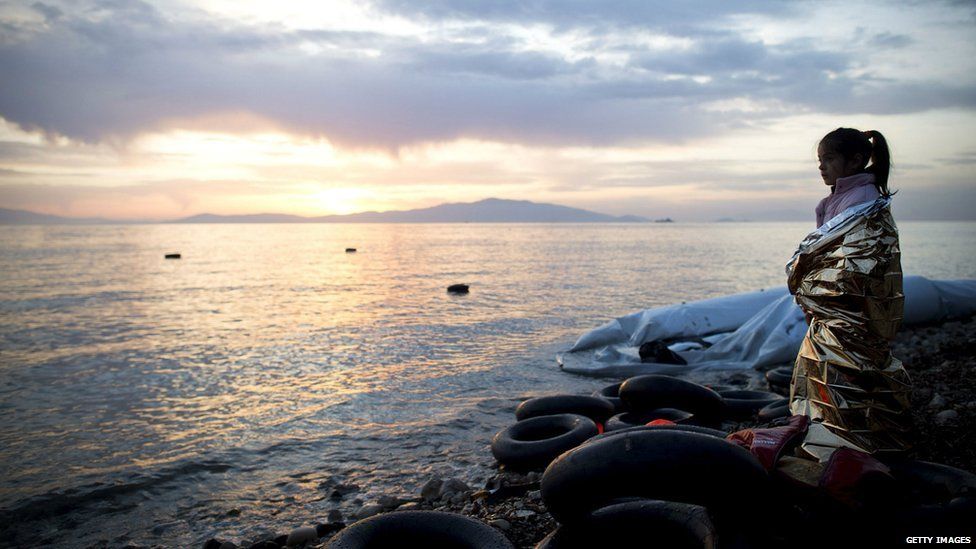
(251, 218)
(23, 217)
(491, 210)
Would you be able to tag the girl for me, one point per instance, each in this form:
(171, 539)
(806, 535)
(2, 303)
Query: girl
(847, 278)
(844, 154)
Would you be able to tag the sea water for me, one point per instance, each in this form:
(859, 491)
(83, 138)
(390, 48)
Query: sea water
(226, 394)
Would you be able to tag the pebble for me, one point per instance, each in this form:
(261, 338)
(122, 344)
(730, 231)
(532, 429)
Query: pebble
(431, 489)
(298, 536)
(334, 515)
(937, 402)
(946, 416)
(501, 524)
(525, 513)
(389, 502)
(409, 506)
(367, 511)
(452, 487)
(535, 495)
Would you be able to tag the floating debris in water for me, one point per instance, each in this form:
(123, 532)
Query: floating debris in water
(173, 256)
(350, 250)
(457, 289)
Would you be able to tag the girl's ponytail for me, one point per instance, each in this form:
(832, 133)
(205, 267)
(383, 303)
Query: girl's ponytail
(880, 161)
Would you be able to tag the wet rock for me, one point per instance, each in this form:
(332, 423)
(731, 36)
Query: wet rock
(501, 524)
(301, 536)
(389, 502)
(367, 511)
(946, 416)
(525, 513)
(431, 489)
(458, 498)
(334, 515)
(324, 530)
(938, 401)
(534, 495)
(453, 486)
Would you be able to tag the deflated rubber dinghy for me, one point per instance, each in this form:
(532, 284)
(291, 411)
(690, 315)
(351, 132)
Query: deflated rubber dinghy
(750, 330)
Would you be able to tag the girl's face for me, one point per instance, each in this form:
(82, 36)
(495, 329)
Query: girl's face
(834, 166)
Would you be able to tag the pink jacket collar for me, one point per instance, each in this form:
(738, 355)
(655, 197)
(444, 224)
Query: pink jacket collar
(845, 184)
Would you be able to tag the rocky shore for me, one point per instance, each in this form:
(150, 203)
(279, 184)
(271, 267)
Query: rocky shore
(940, 358)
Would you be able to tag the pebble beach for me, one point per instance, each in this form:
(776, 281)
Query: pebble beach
(940, 358)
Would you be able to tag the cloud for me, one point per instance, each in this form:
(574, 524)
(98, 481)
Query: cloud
(890, 40)
(108, 71)
(656, 14)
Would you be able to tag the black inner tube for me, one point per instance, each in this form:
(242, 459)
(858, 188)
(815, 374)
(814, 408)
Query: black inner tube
(420, 529)
(657, 464)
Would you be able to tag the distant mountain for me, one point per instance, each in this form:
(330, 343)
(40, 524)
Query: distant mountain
(250, 218)
(23, 217)
(491, 210)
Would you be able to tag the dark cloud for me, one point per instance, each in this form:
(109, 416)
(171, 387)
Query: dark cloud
(110, 70)
(50, 13)
(890, 40)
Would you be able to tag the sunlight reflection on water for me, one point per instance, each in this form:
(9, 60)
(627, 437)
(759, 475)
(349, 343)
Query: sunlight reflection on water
(268, 363)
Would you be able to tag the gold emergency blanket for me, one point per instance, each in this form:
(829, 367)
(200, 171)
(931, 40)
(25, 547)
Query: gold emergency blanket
(847, 278)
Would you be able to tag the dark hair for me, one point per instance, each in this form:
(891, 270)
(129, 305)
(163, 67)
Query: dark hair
(849, 142)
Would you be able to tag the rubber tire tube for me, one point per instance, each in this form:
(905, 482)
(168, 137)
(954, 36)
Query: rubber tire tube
(659, 523)
(634, 419)
(419, 529)
(934, 482)
(612, 394)
(650, 392)
(657, 464)
(781, 376)
(534, 442)
(685, 428)
(775, 410)
(741, 404)
(943, 499)
(596, 408)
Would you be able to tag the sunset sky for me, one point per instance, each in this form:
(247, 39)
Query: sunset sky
(694, 110)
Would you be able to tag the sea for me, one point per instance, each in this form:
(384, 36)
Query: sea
(147, 401)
